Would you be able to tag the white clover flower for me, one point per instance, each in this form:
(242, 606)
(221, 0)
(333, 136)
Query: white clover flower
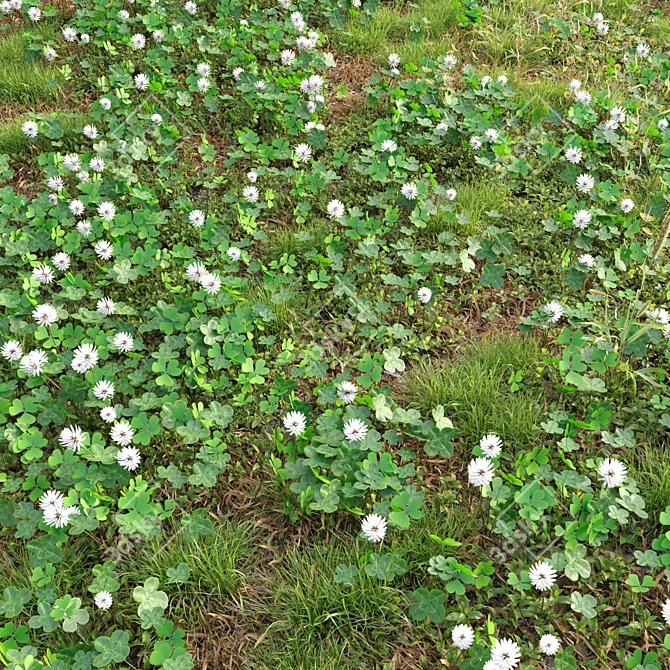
(626, 205)
(44, 274)
(585, 183)
(660, 315)
(603, 28)
(84, 38)
(237, 72)
(72, 438)
(58, 516)
(141, 82)
(85, 357)
(542, 576)
(480, 471)
(491, 445)
(491, 135)
(106, 306)
(393, 60)
(33, 363)
(252, 176)
(97, 164)
(587, 260)
(573, 155)
(108, 414)
(211, 282)
(312, 85)
(12, 350)
(643, 50)
(389, 145)
(45, 315)
(103, 600)
(72, 162)
(574, 85)
(103, 249)
(287, 57)
(35, 14)
(30, 129)
(549, 644)
(611, 125)
(303, 152)
(191, 7)
(234, 253)
(304, 43)
(107, 211)
(295, 423)
(355, 430)
(424, 294)
(335, 209)
(449, 62)
(122, 433)
(123, 342)
(475, 142)
(91, 131)
(583, 96)
(53, 199)
(462, 636)
(665, 611)
(197, 218)
(51, 499)
(105, 103)
(442, 126)
(450, 194)
(373, 527)
(49, 53)
(618, 114)
(138, 41)
(612, 472)
(124, 14)
(158, 35)
(156, 119)
(250, 194)
(76, 207)
(486, 80)
(204, 69)
(410, 190)
(203, 84)
(84, 228)
(502, 79)
(346, 392)
(129, 458)
(196, 271)
(662, 124)
(56, 183)
(554, 311)
(298, 21)
(506, 654)
(581, 218)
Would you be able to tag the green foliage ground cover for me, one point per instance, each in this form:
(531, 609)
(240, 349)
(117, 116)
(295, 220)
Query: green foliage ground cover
(271, 275)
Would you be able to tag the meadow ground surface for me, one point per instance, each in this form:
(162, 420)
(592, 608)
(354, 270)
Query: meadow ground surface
(527, 304)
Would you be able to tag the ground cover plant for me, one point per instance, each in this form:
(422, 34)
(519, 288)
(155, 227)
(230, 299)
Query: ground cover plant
(334, 334)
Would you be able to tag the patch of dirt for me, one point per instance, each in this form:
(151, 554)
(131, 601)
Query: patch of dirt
(354, 74)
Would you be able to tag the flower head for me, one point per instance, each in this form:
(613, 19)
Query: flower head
(549, 644)
(480, 471)
(129, 458)
(72, 437)
(554, 311)
(410, 190)
(585, 183)
(44, 274)
(123, 342)
(506, 654)
(542, 576)
(103, 390)
(463, 636)
(424, 294)
(85, 357)
(12, 350)
(612, 472)
(45, 315)
(33, 363)
(491, 445)
(355, 430)
(295, 423)
(373, 527)
(122, 433)
(103, 600)
(30, 129)
(335, 209)
(346, 391)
